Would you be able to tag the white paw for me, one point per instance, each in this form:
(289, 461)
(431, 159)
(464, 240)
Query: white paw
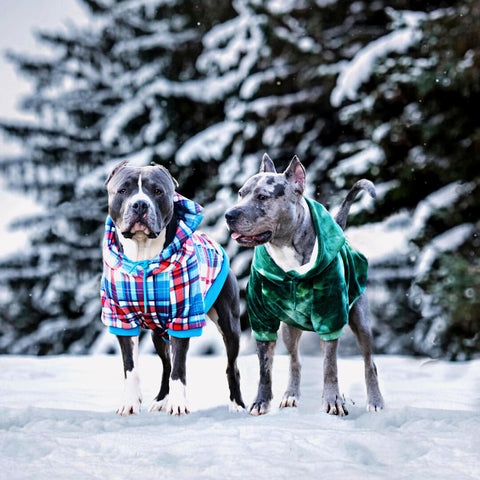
(289, 401)
(259, 408)
(131, 407)
(375, 406)
(132, 397)
(335, 406)
(159, 406)
(177, 400)
(234, 407)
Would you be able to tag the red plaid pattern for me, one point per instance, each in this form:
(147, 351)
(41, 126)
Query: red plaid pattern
(170, 293)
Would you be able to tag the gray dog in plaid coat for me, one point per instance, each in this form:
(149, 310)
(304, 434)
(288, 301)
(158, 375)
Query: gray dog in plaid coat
(159, 273)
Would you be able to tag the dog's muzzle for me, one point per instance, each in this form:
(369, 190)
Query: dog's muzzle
(140, 218)
(232, 217)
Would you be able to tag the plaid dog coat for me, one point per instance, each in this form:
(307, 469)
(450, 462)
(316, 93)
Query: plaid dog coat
(169, 294)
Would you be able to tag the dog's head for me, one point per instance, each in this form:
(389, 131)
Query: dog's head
(266, 203)
(140, 199)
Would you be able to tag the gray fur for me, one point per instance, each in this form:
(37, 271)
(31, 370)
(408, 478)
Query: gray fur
(261, 209)
(341, 217)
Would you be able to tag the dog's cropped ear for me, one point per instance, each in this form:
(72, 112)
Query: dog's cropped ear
(296, 175)
(267, 165)
(165, 170)
(115, 170)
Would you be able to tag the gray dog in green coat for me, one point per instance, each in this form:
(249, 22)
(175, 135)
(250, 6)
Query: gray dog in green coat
(304, 276)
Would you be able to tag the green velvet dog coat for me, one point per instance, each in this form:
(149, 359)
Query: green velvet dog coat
(318, 300)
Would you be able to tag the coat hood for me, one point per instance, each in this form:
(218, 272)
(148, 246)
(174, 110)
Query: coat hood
(189, 218)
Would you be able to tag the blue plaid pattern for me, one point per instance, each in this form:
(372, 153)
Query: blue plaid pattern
(169, 294)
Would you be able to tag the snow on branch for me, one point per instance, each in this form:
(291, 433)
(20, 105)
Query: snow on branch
(252, 84)
(230, 52)
(446, 242)
(262, 106)
(225, 44)
(166, 39)
(442, 198)
(208, 144)
(360, 68)
(129, 6)
(359, 163)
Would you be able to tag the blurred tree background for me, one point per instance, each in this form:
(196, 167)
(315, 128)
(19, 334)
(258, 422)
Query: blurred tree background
(382, 90)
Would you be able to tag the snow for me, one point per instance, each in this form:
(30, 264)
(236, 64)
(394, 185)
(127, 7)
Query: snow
(165, 39)
(448, 241)
(382, 241)
(57, 422)
(16, 33)
(14, 206)
(442, 198)
(208, 144)
(252, 85)
(358, 163)
(359, 69)
(233, 33)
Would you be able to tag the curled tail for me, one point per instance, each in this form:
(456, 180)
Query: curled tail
(341, 216)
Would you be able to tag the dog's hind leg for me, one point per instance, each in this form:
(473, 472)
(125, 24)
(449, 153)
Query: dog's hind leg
(226, 315)
(359, 321)
(132, 397)
(333, 402)
(291, 337)
(163, 350)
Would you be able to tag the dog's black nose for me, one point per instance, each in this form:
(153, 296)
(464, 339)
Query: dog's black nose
(232, 215)
(140, 207)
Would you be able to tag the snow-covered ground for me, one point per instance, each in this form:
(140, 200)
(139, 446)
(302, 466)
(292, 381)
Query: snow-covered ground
(57, 422)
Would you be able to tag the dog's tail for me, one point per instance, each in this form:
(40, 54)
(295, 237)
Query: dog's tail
(341, 216)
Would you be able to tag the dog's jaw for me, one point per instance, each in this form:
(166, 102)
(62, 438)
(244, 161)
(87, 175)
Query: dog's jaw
(252, 240)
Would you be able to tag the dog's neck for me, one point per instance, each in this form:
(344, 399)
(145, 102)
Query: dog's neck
(140, 247)
(295, 247)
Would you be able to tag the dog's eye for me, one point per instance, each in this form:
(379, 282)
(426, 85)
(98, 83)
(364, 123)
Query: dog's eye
(158, 191)
(122, 191)
(262, 197)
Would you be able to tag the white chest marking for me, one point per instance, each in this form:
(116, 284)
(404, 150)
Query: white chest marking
(147, 249)
(284, 257)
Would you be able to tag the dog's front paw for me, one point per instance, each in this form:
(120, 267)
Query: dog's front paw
(375, 404)
(178, 408)
(234, 407)
(335, 405)
(129, 407)
(259, 407)
(177, 400)
(132, 397)
(289, 400)
(159, 405)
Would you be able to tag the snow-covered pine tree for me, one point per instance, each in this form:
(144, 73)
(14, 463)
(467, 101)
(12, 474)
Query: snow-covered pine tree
(122, 87)
(322, 88)
(285, 105)
(412, 96)
(205, 88)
